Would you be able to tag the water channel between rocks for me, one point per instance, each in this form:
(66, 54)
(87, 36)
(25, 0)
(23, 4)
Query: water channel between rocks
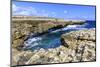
(52, 39)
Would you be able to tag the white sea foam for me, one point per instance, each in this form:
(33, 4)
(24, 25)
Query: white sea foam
(30, 41)
(76, 27)
(56, 31)
(72, 26)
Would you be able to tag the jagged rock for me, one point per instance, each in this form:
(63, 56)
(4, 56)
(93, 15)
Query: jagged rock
(21, 30)
(14, 53)
(33, 59)
(81, 35)
(20, 57)
(17, 43)
(76, 46)
(23, 26)
(82, 42)
(77, 50)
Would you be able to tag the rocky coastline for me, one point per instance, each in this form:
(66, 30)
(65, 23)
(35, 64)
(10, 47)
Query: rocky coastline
(71, 50)
(77, 46)
(22, 28)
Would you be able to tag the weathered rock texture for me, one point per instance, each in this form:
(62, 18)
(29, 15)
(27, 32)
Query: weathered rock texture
(76, 46)
(82, 42)
(24, 26)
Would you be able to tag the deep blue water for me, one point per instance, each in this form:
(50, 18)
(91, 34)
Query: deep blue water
(90, 24)
(52, 39)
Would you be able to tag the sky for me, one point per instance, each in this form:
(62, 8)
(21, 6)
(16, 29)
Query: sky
(68, 11)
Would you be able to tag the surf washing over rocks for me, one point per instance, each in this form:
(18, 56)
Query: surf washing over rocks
(53, 38)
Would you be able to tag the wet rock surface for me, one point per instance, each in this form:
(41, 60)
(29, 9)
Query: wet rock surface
(76, 46)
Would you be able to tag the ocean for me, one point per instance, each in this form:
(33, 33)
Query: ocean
(52, 39)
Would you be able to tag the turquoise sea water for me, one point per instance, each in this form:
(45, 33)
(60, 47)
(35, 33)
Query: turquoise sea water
(52, 39)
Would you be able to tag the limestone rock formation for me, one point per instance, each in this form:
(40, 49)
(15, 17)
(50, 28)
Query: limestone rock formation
(22, 27)
(73, 49)
(77, 46)
(83, 42)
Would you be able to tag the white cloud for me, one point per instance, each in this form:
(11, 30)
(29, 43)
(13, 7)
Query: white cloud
(23, 13)
(53, 14)
(29, 10)
(18, 10)
(14, 7)
(65, 11)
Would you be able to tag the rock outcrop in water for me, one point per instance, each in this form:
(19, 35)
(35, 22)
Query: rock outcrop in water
(76, 46)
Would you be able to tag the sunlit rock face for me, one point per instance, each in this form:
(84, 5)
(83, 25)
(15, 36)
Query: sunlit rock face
(83, 42)
(60, 41)
(23, 27)
(74, 48)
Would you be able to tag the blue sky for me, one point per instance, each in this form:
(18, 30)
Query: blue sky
(75, 12)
